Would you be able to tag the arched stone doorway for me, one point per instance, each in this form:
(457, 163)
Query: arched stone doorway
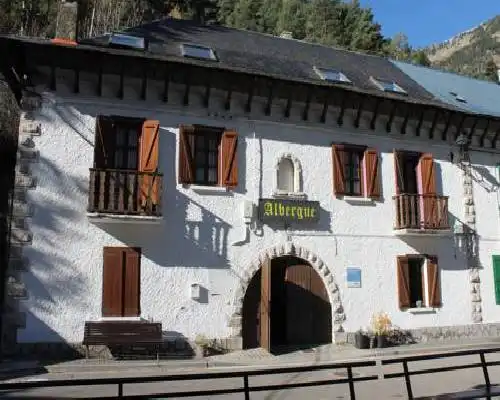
(289, 248)
(286, 305)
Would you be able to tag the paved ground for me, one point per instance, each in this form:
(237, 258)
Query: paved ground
(423, 386)
(381, 389)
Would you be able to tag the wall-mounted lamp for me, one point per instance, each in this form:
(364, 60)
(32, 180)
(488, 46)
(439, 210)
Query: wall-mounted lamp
(462, 142)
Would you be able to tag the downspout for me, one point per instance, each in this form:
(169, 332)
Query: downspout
(248, 220)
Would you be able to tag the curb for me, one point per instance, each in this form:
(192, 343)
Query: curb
(166, 366)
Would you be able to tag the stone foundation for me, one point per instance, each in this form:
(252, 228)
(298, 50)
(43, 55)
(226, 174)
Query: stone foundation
(174, 348)
(445, 333)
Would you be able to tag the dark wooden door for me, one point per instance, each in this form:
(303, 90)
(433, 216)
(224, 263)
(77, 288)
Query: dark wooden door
(265, 305)
(308, 308)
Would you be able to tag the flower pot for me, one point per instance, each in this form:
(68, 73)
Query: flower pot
(381, 341)
(361, 341)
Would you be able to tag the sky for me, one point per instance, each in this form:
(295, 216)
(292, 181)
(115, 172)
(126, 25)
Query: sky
(430, 21)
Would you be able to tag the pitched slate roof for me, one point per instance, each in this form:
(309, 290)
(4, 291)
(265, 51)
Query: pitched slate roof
(481, 97)
(267, 54)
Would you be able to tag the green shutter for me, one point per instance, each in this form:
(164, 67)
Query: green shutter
(496, 275)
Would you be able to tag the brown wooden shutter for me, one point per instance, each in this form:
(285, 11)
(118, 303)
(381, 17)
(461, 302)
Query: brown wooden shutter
(338, 169)
(148, 163)
(265, 305)
(104, 142)
(228, 165)
(428, 203)
(112, 282)
(186, 165)
(427, 173)
(433, 282)
(132, 283)
(403, 277)
(372, 168)
(398, 170)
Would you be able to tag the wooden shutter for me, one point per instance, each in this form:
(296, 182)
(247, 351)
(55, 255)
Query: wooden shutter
(398, 170)
(338, 160)
(496, 277)
(104, 142)
(434, 294)
(131, 284)
(112, 282)
(186, 165)
(228, 165)
(403, 278)
(427, 174)
(265, 305)
(148, 163)
(428, 202)
(372, 168)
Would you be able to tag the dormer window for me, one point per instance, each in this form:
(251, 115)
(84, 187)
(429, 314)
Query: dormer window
(288, 177)
(331, 75)
(387, 86)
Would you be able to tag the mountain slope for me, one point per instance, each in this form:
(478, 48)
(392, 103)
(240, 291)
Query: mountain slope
(468, 52)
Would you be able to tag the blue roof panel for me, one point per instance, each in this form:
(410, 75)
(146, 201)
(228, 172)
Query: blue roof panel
(481, 97)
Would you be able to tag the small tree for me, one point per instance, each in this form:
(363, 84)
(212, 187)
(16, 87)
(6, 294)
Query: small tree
(420, 58)
(491, 71)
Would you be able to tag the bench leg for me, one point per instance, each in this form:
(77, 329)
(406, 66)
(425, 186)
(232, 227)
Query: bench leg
(157, 354)
(87, 351)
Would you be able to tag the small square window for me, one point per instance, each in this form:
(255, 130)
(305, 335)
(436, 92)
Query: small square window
(197, 51)
(332, 75)
(388, 86)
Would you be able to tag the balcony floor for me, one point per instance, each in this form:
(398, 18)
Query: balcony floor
(122, 218)
(422, 232)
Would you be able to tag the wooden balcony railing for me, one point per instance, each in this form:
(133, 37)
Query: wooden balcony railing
(417, 211)
(113, 191)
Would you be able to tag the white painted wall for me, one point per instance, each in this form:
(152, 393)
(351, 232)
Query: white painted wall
(193, 242)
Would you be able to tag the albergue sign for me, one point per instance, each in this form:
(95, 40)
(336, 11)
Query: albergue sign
(276, 210)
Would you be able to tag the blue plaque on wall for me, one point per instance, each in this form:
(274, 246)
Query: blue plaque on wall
(353, 276)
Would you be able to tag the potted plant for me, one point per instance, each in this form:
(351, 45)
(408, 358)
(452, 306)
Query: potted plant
(361, 340)
(381, 325)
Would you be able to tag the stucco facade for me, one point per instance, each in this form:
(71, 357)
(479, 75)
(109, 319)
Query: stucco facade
(201, 236)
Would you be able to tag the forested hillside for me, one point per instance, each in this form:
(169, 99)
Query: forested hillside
(338, 23)
(475, 52)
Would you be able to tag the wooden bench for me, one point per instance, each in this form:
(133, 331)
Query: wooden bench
(122, 333)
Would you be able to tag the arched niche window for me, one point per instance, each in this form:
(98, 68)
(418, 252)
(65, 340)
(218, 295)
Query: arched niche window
(288, 177)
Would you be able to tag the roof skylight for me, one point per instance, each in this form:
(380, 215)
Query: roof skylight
(126, 41)
(388, 86)
(332, 75)
(458, 97)
(197, 51)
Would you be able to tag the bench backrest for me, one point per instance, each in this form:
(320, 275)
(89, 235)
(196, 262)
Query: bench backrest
(126, 330)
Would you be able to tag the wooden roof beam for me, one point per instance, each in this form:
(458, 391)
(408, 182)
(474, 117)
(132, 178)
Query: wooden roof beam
(325, 106)
(305, 113)
(340, 119)
(437, 112)
(444, 134)
(394, 108)
(269, 104)
(373, 121)
(485, 131)
(420, 121)
(360, 111)
(405, 121)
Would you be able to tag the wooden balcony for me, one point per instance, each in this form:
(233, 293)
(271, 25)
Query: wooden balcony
(124, 194)
(421, 214)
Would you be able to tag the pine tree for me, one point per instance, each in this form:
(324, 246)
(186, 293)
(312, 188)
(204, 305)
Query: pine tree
(491, 71)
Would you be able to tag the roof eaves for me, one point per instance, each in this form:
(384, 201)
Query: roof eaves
(248, 71)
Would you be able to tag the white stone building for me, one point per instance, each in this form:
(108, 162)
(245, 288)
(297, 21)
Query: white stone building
(253, 205)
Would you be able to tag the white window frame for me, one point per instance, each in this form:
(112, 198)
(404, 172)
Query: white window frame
(426, 308)
(297, 175)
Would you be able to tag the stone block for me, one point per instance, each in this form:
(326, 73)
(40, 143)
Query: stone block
(29, 127)
(25, 181)
(340, 337)
(16, 289)
(21, 235)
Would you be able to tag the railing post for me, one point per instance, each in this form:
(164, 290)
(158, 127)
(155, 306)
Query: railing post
(120, 390)
(246, 387)
(407, 380)
(351, 383)
(486, 374)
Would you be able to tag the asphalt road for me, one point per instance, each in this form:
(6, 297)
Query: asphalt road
(461, 381)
